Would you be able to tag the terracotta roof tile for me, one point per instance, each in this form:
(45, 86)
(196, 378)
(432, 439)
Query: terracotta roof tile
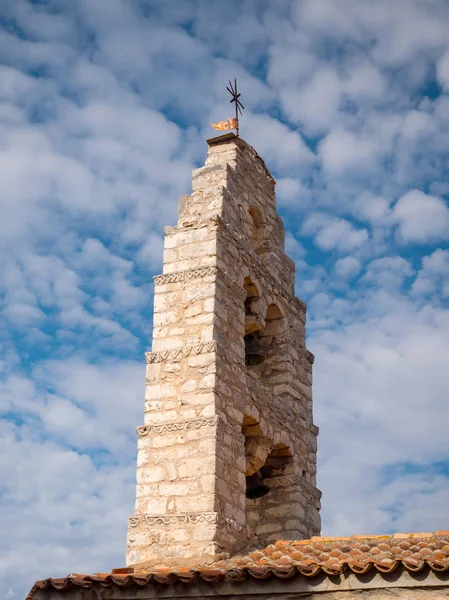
(286, 559)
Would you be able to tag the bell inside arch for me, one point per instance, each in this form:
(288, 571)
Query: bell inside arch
(255, 487)
(254, 353)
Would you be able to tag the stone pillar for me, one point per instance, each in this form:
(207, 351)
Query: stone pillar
(225, 274)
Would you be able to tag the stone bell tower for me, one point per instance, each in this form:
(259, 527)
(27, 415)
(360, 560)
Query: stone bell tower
(227, 451)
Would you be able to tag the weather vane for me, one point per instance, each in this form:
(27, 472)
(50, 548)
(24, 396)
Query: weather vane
(232, 123)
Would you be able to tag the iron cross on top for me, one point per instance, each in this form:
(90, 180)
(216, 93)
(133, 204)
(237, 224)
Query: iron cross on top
(232, 123)
(238, 105)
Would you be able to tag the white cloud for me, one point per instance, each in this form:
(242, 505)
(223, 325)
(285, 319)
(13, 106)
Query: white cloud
(340, 234)
(289, 191)
(443, 70)
(283, 147)
(66, 498)
(293, 248)
(421, 218)
(371, 376)
(284, 68)
(434, 274)
(374, 209)
(365, 81)
(334, 233)
(342, 150)
(417, 123)
(388, 272)
(66, 410)
(316, 102)
(347, 267)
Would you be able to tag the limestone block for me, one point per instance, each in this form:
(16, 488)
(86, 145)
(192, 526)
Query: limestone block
(207, 445)
(199, 292)
(162, 344)
(156, 405)
(196, 467)
(167, 440)
(207, 411)
(284, 510)
(168, 416)
(175, 331)
(146, 489)
(199, 503)
(178, 488)
(170, 255)
(198, 399)
(197, 249)
(223, 489)
(202, 360)
(171, 367)
(201, 319)
(165, 318)
(170, 455)
(160, 390)
(191, 310)
(208, 483)
(189, 386)
(209, 305)
(155, 505)
(207, 382)
(204, 532)
(270, 527)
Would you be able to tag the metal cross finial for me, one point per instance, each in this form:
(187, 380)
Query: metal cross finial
(232, 89)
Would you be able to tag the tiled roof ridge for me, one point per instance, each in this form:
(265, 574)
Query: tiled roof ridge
(285, 559)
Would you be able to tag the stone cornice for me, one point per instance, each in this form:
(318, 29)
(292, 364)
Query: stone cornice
(186, 275)
(188, 425)
(176, 353)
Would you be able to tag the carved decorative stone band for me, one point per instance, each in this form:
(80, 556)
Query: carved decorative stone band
(192, 519)
(189, 425)
(157, 357)
(164, 520)
(209, 518)
(186, 275)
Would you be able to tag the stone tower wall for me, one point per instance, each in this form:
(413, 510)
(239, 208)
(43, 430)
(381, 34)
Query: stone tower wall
(210, 420)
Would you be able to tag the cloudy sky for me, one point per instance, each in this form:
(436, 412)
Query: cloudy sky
(104, 112)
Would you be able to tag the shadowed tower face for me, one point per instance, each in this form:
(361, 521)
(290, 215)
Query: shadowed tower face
(228, 404)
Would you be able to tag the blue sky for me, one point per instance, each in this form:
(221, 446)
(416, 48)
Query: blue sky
(104, 112)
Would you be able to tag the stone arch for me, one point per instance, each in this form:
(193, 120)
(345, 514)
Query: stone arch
(254, 307)
(273, 329)
(279, 463)
(274, 320)
(262, 441)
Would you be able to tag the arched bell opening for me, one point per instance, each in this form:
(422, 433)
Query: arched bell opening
(279, 464)
(254, 323)
(269, 490)
(270, 335)
(257, 448)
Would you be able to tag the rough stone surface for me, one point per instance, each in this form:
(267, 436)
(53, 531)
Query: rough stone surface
(210, 420)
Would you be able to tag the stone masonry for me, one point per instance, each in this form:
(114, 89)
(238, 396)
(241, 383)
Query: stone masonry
(211, 420)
